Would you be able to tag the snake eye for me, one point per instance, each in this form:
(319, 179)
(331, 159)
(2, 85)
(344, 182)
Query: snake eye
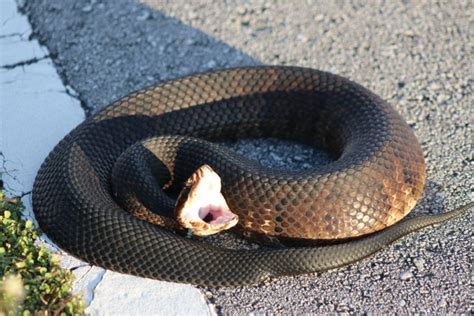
(200, 205)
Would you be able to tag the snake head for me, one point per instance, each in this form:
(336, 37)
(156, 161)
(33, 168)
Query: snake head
(201, 207)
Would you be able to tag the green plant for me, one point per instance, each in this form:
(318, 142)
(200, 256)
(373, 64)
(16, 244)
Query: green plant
(31, 280)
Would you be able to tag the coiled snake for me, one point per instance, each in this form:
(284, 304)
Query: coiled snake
(376, 179)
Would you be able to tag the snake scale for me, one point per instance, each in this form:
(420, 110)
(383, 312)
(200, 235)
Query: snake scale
(376, 178)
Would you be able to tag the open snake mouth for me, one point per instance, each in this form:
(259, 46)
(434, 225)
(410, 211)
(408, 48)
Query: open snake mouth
(200, 205)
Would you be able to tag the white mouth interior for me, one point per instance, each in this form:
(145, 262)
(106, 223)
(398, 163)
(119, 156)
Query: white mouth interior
(214, 214)
(205, 210)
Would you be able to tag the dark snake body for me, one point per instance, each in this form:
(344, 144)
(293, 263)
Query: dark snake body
(375, 181)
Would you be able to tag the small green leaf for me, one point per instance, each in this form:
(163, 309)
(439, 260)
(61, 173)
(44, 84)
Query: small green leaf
(20, 264)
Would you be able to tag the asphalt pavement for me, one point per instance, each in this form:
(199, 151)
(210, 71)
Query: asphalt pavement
(415, 54)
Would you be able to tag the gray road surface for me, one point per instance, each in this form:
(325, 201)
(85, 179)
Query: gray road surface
(415, 54)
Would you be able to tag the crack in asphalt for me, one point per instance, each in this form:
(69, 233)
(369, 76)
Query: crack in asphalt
(93, 284)
(12, 35)
(8, 172)
(98, 280)
(25, 62)
(88, 110)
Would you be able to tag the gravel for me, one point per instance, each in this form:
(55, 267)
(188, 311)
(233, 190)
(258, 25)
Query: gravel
(417, 55)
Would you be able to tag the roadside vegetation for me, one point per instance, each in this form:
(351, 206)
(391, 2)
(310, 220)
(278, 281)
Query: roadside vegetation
(31, 280)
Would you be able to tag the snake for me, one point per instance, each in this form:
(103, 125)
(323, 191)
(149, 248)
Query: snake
(356, 202)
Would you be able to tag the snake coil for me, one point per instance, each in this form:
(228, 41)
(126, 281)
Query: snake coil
(376, 179)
